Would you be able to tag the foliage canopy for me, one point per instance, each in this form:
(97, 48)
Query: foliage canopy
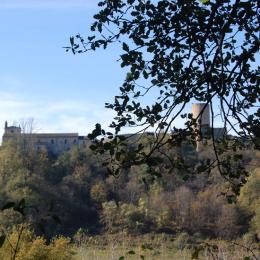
(181, 52)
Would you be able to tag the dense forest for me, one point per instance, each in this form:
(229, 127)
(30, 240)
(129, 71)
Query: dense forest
(74, 193)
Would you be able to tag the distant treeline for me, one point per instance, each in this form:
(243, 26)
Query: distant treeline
(77, 190)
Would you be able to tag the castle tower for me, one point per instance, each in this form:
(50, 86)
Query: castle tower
(11, 132)
(201, 113)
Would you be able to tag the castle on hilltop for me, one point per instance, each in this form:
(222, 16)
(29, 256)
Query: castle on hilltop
(53, 143)
(56, 143)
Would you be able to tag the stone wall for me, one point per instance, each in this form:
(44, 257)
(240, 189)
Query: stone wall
(55, 143)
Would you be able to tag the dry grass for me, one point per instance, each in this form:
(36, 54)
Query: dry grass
(153, 247)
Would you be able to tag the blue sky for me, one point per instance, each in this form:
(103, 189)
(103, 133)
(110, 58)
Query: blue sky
(62, 92)
(38, 79)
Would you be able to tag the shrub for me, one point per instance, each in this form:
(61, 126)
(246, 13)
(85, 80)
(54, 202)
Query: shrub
(61, 249)
(31, 247)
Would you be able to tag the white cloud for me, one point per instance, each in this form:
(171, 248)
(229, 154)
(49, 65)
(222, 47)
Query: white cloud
(62, 116)
(41, 4)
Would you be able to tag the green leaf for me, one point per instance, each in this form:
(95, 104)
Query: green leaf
(154, 81)
(72, 41)
(151, 49)
(125, 47)
(204, 1)
(91, 38)
(2, 240)
(145, 74)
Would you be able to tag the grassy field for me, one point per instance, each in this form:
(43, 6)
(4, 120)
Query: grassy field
(163, 247)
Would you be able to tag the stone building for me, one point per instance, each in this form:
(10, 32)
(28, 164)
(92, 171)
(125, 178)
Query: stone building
(201, 112)
(57, 143)
(54, 143)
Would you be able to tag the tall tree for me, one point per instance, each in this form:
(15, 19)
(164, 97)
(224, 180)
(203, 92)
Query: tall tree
(181, 51)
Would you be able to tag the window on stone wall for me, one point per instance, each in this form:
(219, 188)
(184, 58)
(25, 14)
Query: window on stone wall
(65, 141)
(52, 141)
